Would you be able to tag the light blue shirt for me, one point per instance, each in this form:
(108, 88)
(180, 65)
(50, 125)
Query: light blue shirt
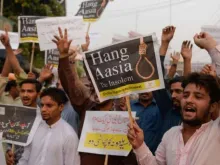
(70, 116)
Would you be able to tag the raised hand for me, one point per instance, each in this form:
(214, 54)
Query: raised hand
(85, 47)
(168, 33)
(209, 69)
(62, 42)
(5, 39)
(46, 72)
(205, 41)
(135, 135)
(186, 50)
(175, 57)
(31, 75)
(17, 51)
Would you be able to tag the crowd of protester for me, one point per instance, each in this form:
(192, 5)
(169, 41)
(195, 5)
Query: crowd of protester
(177, 125)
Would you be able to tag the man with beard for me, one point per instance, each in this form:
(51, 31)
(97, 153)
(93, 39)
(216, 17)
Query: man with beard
(173, 116)
(149, 119)
(196, 141)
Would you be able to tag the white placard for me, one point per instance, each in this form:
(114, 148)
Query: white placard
(105, 133)
(14, 40)
(48, 27)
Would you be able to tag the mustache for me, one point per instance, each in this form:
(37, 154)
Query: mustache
(175, 100)
(25, 97)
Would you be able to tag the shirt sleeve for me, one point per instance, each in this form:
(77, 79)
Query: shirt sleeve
(215, 56)
(25, 156)
(75, 89)
(71, 155)
(145, 157)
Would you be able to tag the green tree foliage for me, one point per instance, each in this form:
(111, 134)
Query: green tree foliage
(15, 8)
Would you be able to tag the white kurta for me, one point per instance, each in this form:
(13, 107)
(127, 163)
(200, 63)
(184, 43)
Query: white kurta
(55, 145)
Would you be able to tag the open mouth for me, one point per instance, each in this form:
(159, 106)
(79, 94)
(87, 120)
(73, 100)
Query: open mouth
(25, 100)
(189, 111)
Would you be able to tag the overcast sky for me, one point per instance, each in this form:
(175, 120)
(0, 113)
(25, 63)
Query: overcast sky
(147, 16)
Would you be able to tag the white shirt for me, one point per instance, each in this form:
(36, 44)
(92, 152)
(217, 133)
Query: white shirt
(203, 148)
(54, 145)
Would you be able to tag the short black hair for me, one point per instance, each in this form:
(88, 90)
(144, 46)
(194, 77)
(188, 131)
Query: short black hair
(32, 81)
(176, 79)
(10, 84)
(206, 81)
(57, 95)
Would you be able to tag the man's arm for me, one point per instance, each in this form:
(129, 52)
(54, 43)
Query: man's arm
(142, 152)
(77, 92)
(10, 54)
(167, 36)
(161, 96)
(175, 57)
(12, 60)
(207, 42)
(71, 155)
(186, 52)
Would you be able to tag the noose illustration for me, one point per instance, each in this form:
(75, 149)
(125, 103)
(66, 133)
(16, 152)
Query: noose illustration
(143, 55)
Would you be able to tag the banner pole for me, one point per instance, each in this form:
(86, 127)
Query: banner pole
(106, 160)
(13, 148)
(32, 57)
(88, 28)
(129, 109)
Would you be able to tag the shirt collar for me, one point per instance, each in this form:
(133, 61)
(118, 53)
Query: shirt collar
(54, 125)
(202, 128)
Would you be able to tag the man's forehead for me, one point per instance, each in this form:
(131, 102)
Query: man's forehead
(47, 100)
(176, 85)
(28, 86)
(195, 88)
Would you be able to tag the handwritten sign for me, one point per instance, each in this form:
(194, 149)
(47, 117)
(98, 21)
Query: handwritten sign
(14, 40)
(18, 124)
(105, 133)
(52, 57)
(27, 28)
(119, 70)
(48, 27)
(91, 10)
